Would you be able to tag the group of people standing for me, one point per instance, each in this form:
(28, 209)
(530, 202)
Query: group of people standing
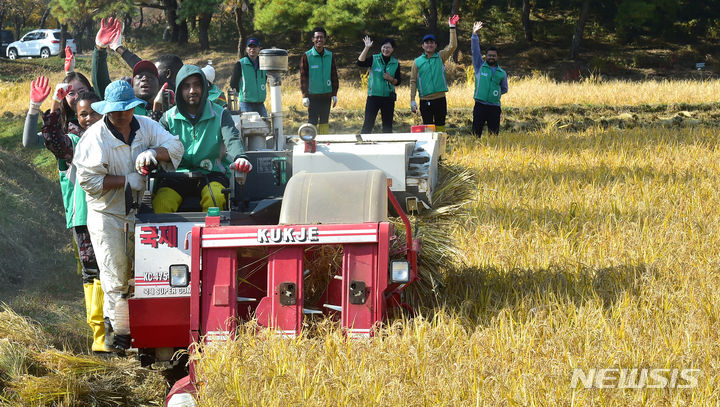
(319, 82)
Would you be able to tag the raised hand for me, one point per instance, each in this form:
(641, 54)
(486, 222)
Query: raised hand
(452, 21)
(61, 90)
(477, 26)
(116, 41)
(39, 89)
(109, 30)
(69, 60)
(157, 102)
(367, 41)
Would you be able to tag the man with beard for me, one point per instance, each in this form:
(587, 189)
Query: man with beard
(490, 84)
(212, 145)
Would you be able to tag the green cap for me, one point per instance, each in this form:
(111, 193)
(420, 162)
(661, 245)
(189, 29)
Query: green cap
(213, 211)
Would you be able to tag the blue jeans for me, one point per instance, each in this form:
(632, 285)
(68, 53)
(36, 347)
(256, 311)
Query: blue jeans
(253, 107)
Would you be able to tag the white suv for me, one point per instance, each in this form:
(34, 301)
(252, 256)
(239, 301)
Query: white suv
(42, 43)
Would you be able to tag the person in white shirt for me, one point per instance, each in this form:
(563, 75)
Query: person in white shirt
(112, 154)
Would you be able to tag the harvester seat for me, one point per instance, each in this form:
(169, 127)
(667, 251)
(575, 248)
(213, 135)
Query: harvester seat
(335, 197)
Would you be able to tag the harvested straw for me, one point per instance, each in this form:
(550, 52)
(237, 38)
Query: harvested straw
(322, 262)
(456, 189)
(34, 373)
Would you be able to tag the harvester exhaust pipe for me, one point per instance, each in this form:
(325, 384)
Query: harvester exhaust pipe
(274, 62)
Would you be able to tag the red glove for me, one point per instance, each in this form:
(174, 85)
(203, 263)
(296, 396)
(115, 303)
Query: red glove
(61, 90)
(39, 90)
(241, 165)
(452, 21)
(69, 60)
(108, 32)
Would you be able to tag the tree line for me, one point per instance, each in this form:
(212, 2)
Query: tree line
(347, 20)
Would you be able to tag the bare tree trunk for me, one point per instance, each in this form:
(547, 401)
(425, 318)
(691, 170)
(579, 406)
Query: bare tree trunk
(170, 17)
(455, 7)
(579, 28)
(44, 17)
(183, 32)
(237, 10)
(18, 24)
(526, 20)
(454, 10)
(203, 26)
(63, 34)
(433, 17)
(142, 17)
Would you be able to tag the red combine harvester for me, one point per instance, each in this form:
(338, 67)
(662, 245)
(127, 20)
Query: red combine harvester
(307, 233)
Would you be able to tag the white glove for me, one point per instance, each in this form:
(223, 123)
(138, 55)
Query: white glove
(117, 41)
(334, 99)
(61, 90)
(136, 181)
(306, 102)
(241, 165)
(147, 157)
(413, 106)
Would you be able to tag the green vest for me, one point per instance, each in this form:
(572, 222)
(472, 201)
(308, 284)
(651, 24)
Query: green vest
(431, 75)
(252, 85)
(72, 194)
(319, 71)
(217, 96)
(377, 85)
(487, 84)
(202, 141)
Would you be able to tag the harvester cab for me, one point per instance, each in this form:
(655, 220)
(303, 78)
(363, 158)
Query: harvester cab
(307, 233)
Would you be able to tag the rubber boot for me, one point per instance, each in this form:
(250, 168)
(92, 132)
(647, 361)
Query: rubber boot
(122, 339)
(88, 289)
(96, 320)
(323, 128)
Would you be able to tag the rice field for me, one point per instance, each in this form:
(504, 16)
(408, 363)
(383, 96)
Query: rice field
(533, 91)
(592, 249)
(580, 250)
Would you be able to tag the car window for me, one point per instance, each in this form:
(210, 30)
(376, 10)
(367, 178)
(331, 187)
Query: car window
(28, 37)
(57, 36)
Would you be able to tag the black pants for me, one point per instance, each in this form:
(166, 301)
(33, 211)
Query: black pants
(386, 106)
(86, 253)
(319, 109)
(434, 111)
(483, 113)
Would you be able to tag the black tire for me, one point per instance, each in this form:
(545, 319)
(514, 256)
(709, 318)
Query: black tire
(45, 53)
(12, 53)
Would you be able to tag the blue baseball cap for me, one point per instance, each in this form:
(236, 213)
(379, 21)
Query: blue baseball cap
(119, 97)
(429, 37)
(253, 41)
